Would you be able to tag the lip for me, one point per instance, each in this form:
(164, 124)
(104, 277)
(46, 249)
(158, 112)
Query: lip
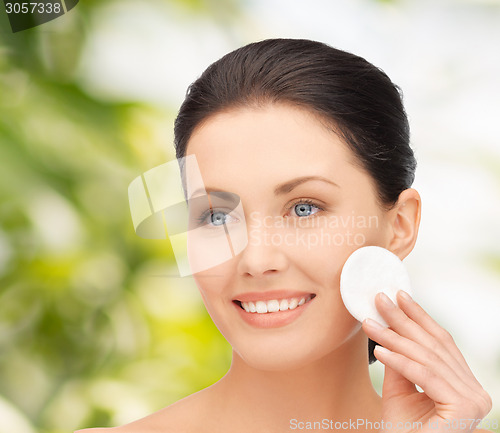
(271, 320)
(270, 295)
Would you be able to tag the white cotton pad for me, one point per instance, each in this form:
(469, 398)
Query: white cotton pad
(368, 271)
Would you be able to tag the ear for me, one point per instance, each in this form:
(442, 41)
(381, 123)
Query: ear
(404, 220)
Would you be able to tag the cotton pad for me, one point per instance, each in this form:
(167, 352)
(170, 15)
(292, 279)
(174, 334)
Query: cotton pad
(368, 271)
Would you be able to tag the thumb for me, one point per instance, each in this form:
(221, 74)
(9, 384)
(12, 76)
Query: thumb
(396, 385)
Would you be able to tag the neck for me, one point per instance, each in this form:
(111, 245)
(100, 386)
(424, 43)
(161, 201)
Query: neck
(336, 387)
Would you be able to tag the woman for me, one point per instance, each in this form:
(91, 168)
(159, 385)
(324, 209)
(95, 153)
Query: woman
(315, 143)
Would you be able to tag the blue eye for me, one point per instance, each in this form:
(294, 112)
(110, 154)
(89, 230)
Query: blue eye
(218, 218)
(304, 208)
(214, 218)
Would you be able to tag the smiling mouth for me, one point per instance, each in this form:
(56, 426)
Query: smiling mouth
(274, 305)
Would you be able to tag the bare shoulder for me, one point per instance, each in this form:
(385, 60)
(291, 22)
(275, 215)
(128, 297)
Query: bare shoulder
(187, 415)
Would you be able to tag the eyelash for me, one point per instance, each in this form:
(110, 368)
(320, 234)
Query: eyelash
(201, 219)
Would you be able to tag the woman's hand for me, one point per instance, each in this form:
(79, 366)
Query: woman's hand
(419, 351)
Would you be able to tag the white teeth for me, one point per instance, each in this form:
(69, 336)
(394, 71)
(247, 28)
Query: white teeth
(283, 305)
(261, 307)
(274, 305)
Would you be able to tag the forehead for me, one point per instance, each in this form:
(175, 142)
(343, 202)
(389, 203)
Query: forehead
(275, 139)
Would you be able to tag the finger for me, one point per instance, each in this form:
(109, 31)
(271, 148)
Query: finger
(477, 396)
(416, 352)
(395, 384)
(405, 326)
(417, 314)
(438, 389)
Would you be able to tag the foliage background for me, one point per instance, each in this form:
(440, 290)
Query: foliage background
(92, 333)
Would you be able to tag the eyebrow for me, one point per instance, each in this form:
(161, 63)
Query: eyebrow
(282, 188)
(226, 195)
(286, 187)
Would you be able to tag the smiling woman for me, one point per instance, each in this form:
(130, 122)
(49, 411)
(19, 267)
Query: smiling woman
(305, 134)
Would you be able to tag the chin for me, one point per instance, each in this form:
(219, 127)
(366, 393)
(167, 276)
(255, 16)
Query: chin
(283, 356)
(286, 353)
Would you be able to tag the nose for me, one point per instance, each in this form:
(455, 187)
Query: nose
(265, 253)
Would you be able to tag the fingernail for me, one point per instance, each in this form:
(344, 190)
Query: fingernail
(373, 324)
(382, 349)
(405, 296)
(386, 299)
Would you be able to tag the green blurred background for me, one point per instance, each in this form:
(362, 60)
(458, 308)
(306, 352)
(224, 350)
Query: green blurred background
(92, 332)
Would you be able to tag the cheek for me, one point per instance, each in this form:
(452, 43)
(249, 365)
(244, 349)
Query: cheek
(211, 293)
(323, 250)
(210, 284)
(213, 284)
(321, 265)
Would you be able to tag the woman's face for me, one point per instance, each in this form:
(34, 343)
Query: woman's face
(306, 206)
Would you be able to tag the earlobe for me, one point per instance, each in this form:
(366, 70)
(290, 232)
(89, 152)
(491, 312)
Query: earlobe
(405, 222)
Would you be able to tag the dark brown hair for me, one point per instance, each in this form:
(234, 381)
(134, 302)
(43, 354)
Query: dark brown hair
(357, 99)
